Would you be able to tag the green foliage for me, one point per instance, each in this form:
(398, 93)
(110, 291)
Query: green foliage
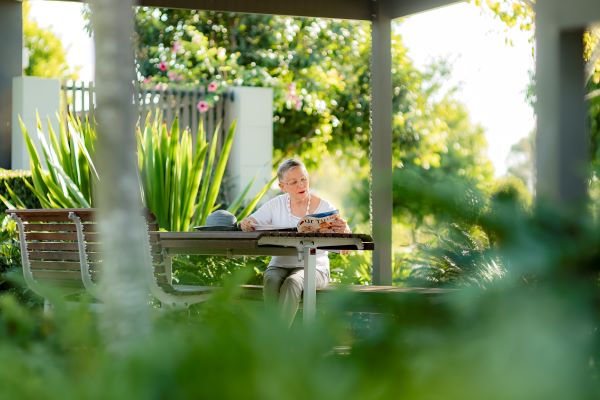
(503, 342)
(514, 13)
(180, 182)
(65, 179)
(592, 56)
(11, 180)
(454, 226)
(520, 160)
(171, 175)
(314, 90)
(536, 318)
(10, 254)
(10, 264)
(512, 188)
(47, 58)
(319, 70)
(460, 257)
(212, 271)
(351, 269)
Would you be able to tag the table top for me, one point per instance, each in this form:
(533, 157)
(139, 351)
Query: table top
(255, 235)
(260, 242)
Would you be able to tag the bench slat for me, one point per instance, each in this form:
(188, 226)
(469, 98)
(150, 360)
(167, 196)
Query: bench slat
(49, 227)
(73, 285)
(58, 246)
(54, 255)
(55, 265)
(53, 236)
(62, 214)
(57, 275)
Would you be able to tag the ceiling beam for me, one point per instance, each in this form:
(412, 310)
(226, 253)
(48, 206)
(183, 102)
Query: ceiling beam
(572, 14)
(404, 8)
(342, 9)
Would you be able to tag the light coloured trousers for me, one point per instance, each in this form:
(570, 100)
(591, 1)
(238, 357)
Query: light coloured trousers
(285, 285)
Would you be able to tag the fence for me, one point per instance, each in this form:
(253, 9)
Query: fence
(251, 153)
(78, 98)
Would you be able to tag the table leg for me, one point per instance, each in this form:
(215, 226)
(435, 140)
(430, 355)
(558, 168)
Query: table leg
(310, 283)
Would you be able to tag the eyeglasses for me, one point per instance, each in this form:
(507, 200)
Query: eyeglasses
(295, 182)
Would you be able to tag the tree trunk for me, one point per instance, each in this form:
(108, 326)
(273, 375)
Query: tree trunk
(122, 227)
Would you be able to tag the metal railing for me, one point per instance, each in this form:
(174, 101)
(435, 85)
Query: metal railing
(78, 98)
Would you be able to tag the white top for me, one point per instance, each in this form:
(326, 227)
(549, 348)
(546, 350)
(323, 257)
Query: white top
(277, 212)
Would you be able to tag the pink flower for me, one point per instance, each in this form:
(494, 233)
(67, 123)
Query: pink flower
(174, 76)
(212, 87)
(176, 47)
(292, 89)
(147, 79)
(202, 106)
(162, 66)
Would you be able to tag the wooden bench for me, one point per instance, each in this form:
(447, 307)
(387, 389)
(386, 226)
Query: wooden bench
(60, 252)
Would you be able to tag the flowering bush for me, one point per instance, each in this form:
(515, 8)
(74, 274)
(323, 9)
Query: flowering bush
(190, 61)
(189, 55)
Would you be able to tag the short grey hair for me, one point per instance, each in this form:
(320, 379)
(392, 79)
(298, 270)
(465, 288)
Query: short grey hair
(287, 165)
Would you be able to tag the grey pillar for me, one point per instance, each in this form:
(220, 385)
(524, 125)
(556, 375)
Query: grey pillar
(381, 142)
(11, 53)
(562, 142)
(252, 151)
(123, 233)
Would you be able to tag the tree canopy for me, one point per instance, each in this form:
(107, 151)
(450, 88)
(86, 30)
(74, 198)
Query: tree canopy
(47, 57)
(320, 71)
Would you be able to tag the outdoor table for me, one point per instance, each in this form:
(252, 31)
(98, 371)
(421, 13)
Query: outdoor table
(268, 243)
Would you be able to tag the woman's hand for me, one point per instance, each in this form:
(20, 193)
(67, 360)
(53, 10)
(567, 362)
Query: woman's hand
(339, 225)
(248, 224)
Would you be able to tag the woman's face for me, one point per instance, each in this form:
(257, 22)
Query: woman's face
(295, 182)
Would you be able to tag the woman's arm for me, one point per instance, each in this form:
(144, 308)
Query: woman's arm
(262, 216)
(248, 224)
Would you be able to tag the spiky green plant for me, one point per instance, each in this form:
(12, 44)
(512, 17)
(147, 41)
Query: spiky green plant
(180, 182)
(171, 171)
(69, 173)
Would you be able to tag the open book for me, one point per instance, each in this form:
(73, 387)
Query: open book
(321, 222)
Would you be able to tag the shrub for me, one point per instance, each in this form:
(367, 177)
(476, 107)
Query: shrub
(212, 270)
(67, 180)
(179, 182)
(17, 181)
(10, 264)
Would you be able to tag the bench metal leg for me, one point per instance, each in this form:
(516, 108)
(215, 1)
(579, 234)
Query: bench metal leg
(309, 254)
(47, 307)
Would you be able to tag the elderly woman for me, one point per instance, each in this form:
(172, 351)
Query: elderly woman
(284, 277)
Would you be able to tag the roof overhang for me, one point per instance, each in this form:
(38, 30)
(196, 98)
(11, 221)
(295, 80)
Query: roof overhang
(341, 9)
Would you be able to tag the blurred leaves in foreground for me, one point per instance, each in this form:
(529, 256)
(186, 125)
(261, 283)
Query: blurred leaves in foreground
(517, 342)
(530, 332)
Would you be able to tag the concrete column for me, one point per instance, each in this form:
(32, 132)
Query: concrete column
(32, 96)
(381, 142)
(11, 53)
(562, 141)
(252, 150)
